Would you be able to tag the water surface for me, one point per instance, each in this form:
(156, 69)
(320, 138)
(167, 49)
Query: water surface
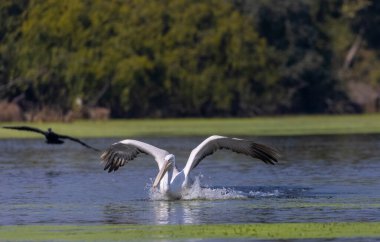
(319, 179)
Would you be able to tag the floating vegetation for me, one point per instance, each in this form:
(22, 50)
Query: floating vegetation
(175, 232)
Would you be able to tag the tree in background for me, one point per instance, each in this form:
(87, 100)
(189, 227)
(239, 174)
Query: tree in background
(144, 58)
(10, 19)
(188, 58)
(350, 27)
(303, 47)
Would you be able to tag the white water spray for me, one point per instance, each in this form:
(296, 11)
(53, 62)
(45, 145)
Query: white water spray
(196, 192)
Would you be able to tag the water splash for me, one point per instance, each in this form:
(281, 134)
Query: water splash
(198, 192)
(274, 193)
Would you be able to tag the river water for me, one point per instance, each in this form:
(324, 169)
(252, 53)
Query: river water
(318, 179)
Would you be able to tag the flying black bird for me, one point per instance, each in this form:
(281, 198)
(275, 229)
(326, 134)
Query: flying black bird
(51, 137)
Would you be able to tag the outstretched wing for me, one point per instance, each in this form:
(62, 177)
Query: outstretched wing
(76, 140)
(26, 128)
(120, 153)
(246, 147)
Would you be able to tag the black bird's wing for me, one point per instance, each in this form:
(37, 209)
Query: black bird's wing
(76, 140)
(26, 128)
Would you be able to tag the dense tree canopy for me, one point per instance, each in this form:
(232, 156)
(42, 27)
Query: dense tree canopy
(173, 58)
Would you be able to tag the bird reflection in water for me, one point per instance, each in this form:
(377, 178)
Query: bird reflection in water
(156, 212)
(177, 212)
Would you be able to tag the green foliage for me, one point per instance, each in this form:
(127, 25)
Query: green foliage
(182, 58)
(304, 53)
(196, 58)
(10, 19)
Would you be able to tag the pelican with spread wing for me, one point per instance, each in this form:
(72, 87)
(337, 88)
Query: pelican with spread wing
(173, 182)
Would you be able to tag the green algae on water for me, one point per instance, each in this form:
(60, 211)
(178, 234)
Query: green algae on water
(174, 232)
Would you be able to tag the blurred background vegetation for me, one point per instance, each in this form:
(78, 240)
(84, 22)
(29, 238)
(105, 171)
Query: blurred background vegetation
(62, 60)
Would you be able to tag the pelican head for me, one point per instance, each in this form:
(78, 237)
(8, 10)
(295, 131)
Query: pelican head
(170, 158)
(169, 161)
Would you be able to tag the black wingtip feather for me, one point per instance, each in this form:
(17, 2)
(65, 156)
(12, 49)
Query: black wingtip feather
(108, 159)
(118, 155)
(265, 153)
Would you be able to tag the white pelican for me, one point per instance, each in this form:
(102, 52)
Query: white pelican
(173, 183)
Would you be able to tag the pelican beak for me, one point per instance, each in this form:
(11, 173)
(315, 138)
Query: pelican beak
(161, 173)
